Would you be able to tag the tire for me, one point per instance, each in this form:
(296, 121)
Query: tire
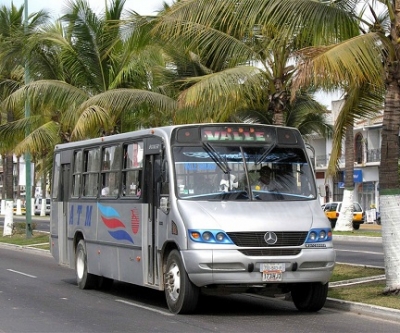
(356, 226)
(333, 223)
(84, 279)
(180, 293)
(309, 297)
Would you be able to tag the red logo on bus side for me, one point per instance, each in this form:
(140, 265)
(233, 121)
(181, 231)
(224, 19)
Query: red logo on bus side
(135, 220)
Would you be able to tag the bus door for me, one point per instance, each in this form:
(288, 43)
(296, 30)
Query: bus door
(60, 210)
(62, 213)
(152, 176)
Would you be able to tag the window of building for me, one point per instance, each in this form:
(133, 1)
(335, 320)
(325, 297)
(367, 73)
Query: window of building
(359, 148)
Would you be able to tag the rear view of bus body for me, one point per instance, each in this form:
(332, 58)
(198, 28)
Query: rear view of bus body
(186, 211)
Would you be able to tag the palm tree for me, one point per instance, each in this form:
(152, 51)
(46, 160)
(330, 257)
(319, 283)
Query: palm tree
(370, 58)
(249, 67)
(360, 102)
(13, 39)
(344, 59)
(91, 80)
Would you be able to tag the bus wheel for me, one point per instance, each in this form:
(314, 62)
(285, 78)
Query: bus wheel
(356, 226)
(180, 293)
(309, 297)
(84, 279)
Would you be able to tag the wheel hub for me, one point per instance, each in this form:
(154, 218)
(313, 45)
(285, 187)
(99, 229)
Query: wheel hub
(173, 282)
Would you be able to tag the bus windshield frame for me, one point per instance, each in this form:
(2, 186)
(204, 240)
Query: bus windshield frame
(215, 171)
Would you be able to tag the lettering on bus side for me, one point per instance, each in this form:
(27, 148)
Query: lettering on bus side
(75, 215)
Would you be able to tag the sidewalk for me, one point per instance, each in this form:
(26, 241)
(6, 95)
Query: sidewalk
(371, 226)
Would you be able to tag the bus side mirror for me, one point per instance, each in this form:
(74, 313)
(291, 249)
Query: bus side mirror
(164, 204)
(321, 190)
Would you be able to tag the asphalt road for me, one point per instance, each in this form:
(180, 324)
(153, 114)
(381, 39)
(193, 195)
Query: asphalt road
(37, 295)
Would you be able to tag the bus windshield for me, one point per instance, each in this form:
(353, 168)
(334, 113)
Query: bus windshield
(268, 173)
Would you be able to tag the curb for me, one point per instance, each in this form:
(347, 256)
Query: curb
(26, 248)
(358, 238)
(363, 309)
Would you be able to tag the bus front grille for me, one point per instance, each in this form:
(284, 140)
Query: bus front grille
(257, 239)
(270, 252)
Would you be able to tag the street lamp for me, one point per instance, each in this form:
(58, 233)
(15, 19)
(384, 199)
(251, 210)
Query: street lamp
(28, 189)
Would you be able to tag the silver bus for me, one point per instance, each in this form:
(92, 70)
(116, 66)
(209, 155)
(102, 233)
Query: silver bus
(182, 209)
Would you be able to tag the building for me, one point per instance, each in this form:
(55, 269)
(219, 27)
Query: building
(367, 141)
(19, 177)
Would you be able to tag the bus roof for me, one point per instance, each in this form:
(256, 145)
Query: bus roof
(163, 131)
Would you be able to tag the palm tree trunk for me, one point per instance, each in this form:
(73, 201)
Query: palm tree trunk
(278, 103)
(3, 188)
(9, 168)
(345, 220)
(389, 183)
(18, 188)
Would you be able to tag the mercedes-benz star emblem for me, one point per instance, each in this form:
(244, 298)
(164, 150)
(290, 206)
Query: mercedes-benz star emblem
(270, 238)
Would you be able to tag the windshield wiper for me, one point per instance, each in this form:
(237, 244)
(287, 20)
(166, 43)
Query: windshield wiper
(216, 157)
(264, 154)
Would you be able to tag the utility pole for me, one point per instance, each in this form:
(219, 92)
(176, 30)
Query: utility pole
(28, 187)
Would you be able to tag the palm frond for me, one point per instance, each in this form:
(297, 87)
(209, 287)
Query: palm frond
(353, 62)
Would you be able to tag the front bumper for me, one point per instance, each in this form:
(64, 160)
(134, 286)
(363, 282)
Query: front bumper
(224, 267)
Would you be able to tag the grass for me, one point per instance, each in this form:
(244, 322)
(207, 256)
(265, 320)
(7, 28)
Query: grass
(367, 233)
(366, 292)
(38, 240)
(343, 272)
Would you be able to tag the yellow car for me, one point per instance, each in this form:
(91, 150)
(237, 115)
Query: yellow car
(332, 211)
(23, 210)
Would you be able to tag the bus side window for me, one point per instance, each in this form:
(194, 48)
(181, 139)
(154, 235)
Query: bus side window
(111, 165)
(131, 183)
(91, 172)
(132, 169)
(77, 172)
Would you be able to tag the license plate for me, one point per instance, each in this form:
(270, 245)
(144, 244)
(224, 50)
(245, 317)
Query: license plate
(272, 271)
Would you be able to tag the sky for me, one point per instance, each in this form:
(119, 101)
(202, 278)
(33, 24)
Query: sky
(55, 7)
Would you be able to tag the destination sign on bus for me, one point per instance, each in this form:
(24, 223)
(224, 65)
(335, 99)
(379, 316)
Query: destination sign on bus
(237, 134)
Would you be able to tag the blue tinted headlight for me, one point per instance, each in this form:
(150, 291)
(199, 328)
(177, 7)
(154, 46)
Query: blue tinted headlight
(209, 236)
(319, 235)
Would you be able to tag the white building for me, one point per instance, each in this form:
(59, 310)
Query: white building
(367, 144)
(19, 176)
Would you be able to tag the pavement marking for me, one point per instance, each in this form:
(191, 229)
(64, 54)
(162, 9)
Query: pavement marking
(145, 307)
(28, 275)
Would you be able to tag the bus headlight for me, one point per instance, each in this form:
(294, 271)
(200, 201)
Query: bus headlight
(319, 235)
(220, 237)
(209, 236)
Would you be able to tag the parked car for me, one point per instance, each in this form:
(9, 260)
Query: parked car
(23, 210)
(38, 206)
(332, 211)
